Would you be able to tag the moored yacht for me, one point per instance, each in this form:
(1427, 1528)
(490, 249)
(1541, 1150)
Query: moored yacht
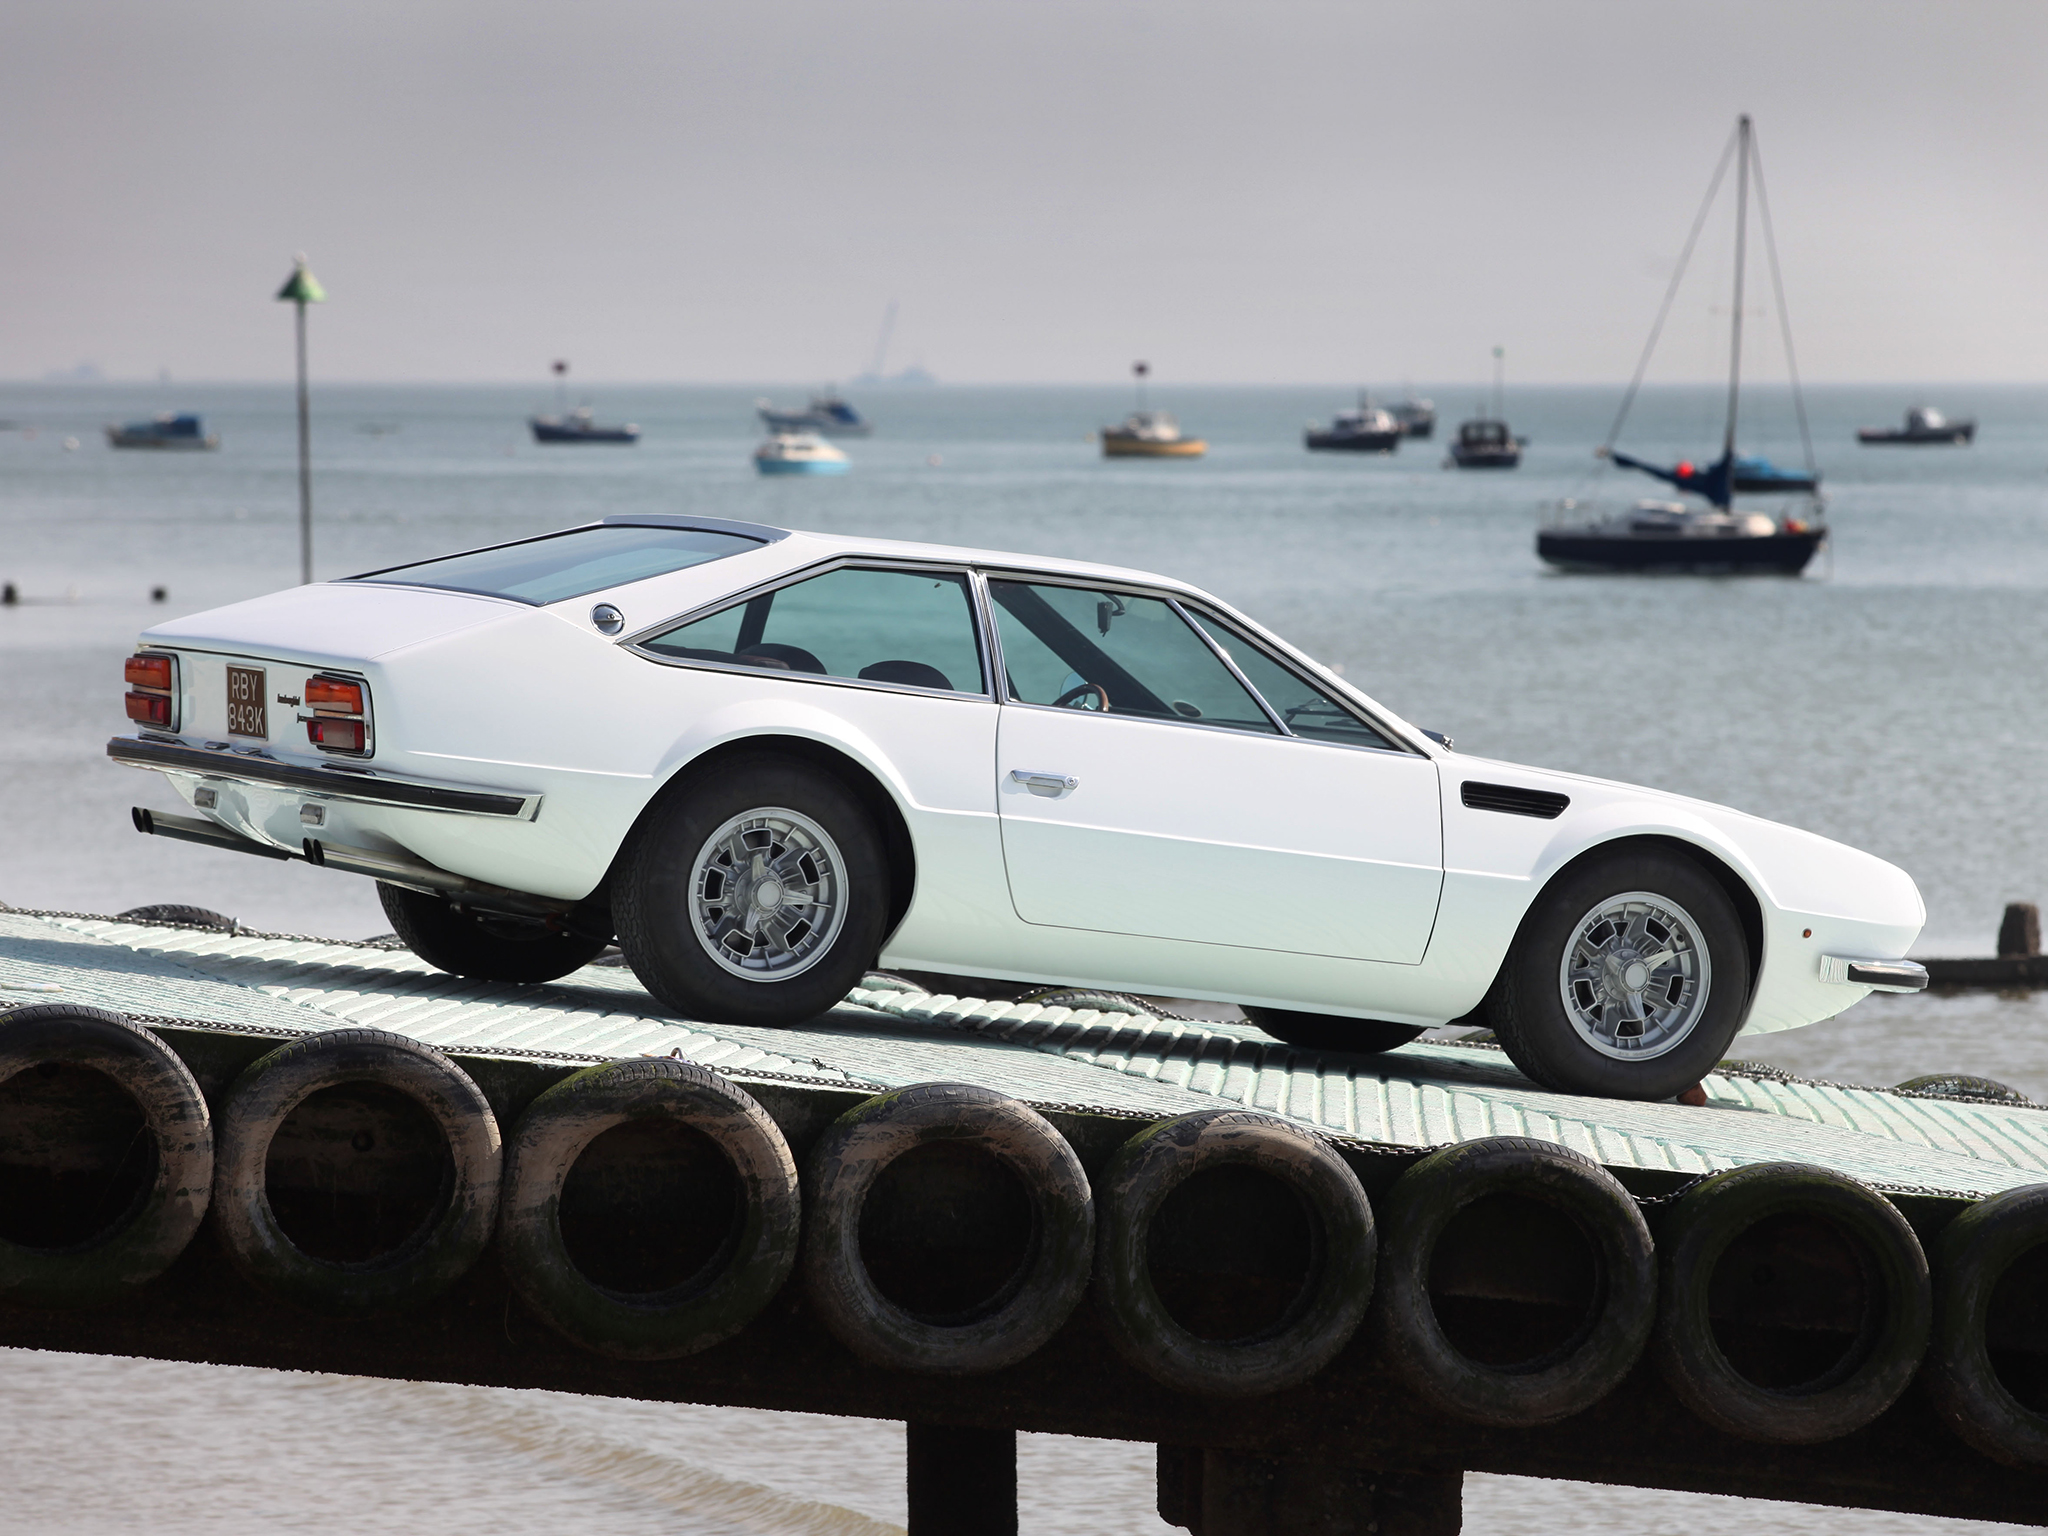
(1923, 425)
(168, 430)
(1363, 429)
(1149, 434)
(1670, 536)
(578, 425)
(828, 414)
(1485, 443)
(1417, 417)
(799, 453)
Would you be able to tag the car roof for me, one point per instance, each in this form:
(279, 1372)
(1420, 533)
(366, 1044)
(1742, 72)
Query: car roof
(801, 547)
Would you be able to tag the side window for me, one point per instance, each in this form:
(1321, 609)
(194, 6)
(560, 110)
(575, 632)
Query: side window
(914, 628)
(1115, 653)
(1307, 710)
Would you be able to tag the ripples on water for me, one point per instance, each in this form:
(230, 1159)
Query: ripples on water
(1892, 699)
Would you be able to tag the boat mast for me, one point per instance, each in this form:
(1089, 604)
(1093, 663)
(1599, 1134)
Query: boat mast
(1735, 331)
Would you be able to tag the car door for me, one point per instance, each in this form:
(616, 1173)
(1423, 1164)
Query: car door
(1147, 788)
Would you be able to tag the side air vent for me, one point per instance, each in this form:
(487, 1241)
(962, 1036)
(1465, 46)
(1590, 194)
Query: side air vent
(1513, 800)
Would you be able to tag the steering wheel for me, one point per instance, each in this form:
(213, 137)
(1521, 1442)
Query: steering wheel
(1066, 700)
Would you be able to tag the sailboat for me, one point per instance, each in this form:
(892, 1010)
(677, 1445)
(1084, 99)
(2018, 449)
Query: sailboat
(1674, 536)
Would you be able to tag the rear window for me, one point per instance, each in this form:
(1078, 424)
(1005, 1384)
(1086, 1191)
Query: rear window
(565, 565)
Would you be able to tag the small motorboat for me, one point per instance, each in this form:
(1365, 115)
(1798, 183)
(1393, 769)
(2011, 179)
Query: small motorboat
(1486, 443)
(1417, 417)
(827, 414)
(1149, 434)
(1924, 424)
(799, 453)
(168, 430)
(577, 426)
(1365, 429)
(1669, 536)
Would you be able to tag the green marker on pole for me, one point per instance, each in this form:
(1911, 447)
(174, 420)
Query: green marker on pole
(301, 289)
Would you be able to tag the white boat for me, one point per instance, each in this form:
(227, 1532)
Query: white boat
(799, 453)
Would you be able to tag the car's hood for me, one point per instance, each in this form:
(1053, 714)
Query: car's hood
(1798, 870)
(331, 624)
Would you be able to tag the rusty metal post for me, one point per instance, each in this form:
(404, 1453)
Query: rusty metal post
(1225, 1493)
(2019, 936)
(962, 1482)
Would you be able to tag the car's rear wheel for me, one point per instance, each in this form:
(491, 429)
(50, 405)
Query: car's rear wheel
(1628, 979)
(481, 944)
(1327, 1032)
(754, 893)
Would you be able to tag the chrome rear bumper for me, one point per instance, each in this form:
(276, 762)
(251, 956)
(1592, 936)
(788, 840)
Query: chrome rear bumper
(332, 781)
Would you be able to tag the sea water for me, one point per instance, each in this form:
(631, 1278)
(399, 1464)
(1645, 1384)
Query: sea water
(1891, 698)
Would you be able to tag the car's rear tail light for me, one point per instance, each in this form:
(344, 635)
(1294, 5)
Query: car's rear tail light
(149, 672)
(339, 721)
(152, 699)
(151, 709)
(336, 694)
(331, 735)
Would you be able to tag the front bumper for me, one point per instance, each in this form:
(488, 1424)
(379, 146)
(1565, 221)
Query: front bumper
(1878, 975)
(330, 781)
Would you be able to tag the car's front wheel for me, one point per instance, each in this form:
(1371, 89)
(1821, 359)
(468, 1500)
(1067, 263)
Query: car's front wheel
(478, 944)
(1628, 979)
(754, 893)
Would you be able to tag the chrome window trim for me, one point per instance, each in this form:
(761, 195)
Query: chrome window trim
(635, 642)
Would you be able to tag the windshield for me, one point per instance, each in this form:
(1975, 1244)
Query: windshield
(573, 564)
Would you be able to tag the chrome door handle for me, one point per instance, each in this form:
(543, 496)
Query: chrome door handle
(1051, 785)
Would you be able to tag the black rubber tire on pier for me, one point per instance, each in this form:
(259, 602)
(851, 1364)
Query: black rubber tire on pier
(754, 796)
(457, 1226)
(747, 1266)
(141, 1240)
(1976, 1252)
(177, 912)
(480, 945)
(1025, 1309)
(1324, 1314)
(1328, 1032)
(1695, 1235)
(1526, 1006)
(1575, 1373)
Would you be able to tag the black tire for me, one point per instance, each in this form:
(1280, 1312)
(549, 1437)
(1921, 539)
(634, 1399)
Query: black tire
(176, 912)
(1975, 1253)
(1526, 1007)
(1890, 1269)
(1322, 1317)
(141, 1238)
(1025, 1309)
(1577, 1371)
(477, 944)
(1327, 1032)
(653, 900)
(747, 1266)
(456, 1224)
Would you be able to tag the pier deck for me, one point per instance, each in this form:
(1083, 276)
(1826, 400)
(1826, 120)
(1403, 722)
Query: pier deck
(1369, 1449)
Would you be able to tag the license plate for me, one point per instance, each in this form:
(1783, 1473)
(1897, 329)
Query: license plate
(246, 713)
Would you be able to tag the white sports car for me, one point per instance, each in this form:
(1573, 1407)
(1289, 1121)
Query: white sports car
(766, 761)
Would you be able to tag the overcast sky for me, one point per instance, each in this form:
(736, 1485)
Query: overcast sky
(1239, 190)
